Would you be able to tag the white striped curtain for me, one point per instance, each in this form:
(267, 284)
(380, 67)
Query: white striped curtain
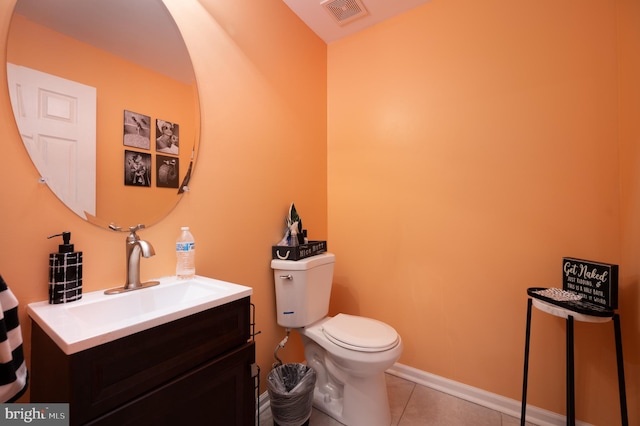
(13, 369)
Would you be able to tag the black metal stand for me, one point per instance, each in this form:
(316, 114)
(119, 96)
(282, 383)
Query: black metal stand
(571, 390)
(571, 410)
(523, 410)
(621, 384)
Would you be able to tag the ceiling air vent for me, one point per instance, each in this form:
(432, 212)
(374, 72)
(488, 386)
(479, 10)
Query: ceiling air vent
(344, 11)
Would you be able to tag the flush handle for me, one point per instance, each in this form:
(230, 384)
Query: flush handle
(286, 277)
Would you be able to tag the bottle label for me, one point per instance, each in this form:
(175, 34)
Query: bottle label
(185, 246)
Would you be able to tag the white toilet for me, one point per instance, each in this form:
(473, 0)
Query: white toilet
(349, 353)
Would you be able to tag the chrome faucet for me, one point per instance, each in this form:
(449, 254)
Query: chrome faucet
(135, 248)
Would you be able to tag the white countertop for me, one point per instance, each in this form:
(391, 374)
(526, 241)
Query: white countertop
(98, 318)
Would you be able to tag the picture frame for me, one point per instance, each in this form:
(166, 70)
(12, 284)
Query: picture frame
(136, 131)
(137, 168)
(167, 171)
(167, 137)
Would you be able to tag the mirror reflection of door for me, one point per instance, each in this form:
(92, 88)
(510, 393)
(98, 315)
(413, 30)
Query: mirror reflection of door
(57, 121)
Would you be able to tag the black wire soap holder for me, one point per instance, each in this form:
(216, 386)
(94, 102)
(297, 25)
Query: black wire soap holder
(558, 297)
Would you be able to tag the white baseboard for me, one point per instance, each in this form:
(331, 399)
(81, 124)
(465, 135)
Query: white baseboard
(508, 406)
(263, 402)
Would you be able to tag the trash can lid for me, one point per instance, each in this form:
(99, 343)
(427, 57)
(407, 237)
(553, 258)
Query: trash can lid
(360, 333)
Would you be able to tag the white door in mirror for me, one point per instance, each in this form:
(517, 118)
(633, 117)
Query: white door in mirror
(57, 120)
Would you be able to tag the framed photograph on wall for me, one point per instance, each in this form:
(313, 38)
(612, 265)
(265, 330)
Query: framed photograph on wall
(167, 171)
(136, 130)
(167, 137)
(137, 168)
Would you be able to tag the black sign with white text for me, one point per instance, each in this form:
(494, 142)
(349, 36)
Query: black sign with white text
(596, 282)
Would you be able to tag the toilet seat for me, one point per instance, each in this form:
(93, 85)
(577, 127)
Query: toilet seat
(360, 334)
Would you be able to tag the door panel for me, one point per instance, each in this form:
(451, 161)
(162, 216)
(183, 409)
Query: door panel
(57, 120)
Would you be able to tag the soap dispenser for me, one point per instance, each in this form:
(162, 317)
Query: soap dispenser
(65, 272)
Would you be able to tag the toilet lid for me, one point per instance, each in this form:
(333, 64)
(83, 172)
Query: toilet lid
(360, 333)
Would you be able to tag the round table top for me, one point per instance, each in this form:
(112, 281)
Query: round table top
(580, 310)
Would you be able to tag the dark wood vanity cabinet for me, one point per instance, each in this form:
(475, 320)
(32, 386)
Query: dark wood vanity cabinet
(196, 370)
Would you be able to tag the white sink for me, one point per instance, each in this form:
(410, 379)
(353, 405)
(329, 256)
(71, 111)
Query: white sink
(98, 318)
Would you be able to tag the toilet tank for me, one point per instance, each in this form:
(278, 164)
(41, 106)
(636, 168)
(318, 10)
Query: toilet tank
(303, 289)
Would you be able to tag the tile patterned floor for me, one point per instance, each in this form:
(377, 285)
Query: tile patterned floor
(416, 405)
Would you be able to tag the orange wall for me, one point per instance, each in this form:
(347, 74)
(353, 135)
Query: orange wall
(472, 145)
(137, 89)
(261, 78)
(469, 146)
(629, 127)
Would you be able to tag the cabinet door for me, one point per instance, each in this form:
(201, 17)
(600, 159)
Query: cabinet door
(98, 380)
(220, 392)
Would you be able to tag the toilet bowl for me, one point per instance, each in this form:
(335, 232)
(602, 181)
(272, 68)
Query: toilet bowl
(349, 353)
(350, 381)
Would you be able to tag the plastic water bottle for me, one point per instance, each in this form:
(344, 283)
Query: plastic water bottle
(185, 255)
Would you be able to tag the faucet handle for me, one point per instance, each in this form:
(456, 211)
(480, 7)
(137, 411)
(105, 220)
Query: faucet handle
(138, 227)
(132, 233)
(131, 229)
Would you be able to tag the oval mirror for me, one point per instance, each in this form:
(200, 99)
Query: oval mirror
(105, 99)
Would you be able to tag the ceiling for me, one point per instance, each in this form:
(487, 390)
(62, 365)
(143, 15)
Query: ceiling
(143, 32)
(140, 31)
(326, 26)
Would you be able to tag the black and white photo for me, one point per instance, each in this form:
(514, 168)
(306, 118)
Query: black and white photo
(137, 168)
(167, 171)
(136, 131)
(167, 137)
